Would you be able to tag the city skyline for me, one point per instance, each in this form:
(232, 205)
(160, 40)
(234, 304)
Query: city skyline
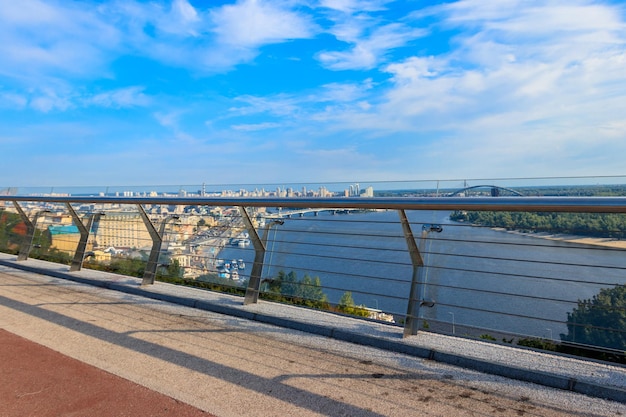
(191, 92)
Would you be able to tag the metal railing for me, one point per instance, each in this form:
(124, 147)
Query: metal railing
(400, 260)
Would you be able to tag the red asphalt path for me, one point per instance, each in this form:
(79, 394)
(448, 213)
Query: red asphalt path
(40, 382)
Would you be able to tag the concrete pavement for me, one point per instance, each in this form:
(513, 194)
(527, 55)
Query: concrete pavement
(230, 366)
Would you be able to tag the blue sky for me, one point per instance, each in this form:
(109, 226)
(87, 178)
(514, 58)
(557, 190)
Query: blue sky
(116, 92)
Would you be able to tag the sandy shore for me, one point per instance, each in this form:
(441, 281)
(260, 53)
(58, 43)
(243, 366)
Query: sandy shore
(582, 240)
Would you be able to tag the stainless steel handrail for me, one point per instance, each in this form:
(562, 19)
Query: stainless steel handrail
(532, 204)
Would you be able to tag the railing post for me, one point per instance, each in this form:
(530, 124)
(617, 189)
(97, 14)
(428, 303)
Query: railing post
(27, 242)
(254, 284)
(157, 240)
(79, 254)
(412, 316)
(416, 294)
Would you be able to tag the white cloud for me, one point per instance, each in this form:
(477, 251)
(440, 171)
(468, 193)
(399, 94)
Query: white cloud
(62, 97)
(180, 19)
(416, 68)
(277, 105)
(370, 42)
(120, 98)
(48, 38)
(533, 30)
(352, 6)
(210, 39)
(341, 92)
(503, 81)
(255, 127)
(525, 86)
(253, 23)
(302, 112)
(13, 101)
(517, 81)
(170, 119)
(43, 41)
(538, 80)
(185, 11)
(48, 100)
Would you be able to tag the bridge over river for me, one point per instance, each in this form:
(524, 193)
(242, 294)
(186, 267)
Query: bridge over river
(315, 211)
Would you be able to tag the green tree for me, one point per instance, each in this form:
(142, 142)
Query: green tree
(607, 225)
(133, 267)
(346, 305)
(346, 301)
(290, 286)
(313, 289)
(286, 287)
(12, 230)
(274, 284)
(599, 321)
(173, 270)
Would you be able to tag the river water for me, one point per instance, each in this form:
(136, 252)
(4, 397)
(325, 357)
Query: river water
(481, 278)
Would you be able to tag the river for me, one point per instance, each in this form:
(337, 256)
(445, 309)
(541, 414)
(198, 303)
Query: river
(478, 277)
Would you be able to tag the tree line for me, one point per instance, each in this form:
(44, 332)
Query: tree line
(582, 224)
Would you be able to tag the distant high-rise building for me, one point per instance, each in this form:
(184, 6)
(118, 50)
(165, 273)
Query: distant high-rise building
(353, 190)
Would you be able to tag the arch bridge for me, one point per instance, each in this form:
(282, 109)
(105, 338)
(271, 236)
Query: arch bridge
(495, 190)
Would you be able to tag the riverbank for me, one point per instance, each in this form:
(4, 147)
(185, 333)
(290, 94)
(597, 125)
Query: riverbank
(581, 240)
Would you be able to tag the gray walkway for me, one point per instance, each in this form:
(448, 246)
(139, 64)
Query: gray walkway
(231, 366)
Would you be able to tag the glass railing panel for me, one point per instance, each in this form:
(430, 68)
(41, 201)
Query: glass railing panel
(514, 276)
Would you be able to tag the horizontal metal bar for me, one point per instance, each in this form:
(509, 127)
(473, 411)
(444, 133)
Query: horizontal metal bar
(532, 204)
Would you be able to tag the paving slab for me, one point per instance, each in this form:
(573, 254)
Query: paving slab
(230, 366)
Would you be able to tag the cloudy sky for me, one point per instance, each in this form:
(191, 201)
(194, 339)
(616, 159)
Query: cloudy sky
(115, 92)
